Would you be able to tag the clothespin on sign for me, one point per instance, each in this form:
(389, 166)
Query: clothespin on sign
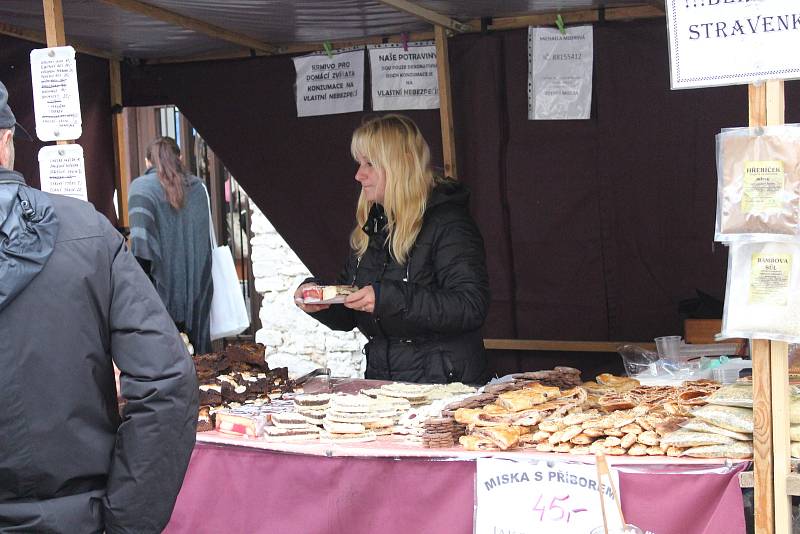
(602, 470)
(328, 49)
(404, 40)
(560, 25)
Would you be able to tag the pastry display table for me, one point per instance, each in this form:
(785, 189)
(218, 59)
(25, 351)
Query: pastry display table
(239, 485)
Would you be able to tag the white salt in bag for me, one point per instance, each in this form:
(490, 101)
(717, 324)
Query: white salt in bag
(762, 298)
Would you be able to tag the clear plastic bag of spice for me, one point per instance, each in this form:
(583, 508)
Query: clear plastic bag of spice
(762, 297)
(758, 192)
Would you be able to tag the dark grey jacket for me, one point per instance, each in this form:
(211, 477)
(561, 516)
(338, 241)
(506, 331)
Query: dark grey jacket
(429, 311)
(72, 298)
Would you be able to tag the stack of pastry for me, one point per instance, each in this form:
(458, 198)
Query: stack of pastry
(312, 407)
(357, 418)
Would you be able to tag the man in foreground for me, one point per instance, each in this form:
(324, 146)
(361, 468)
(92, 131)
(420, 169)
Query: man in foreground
(74, 301)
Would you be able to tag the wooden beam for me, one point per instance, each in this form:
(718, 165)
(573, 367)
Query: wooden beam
(547, 19)
(199, 26)
(757, 97)
(54, 23)
(779, 367)
(39, 37)
(445, 103)
(634, 13)
(763, 488)
(658, 4)
(437, 19)
(54, 30)
(121, 163)
(565, 346)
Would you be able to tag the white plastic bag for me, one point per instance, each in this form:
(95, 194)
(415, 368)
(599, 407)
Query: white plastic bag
(228, 313)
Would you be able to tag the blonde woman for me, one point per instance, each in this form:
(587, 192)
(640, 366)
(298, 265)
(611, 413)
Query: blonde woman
(418, 259)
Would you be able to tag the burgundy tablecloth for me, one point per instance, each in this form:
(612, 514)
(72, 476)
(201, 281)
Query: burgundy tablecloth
(232, 490)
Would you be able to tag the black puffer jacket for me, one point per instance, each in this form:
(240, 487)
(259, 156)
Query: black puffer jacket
(428, 314)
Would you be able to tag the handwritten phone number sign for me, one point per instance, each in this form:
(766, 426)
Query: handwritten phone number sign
(538, 497)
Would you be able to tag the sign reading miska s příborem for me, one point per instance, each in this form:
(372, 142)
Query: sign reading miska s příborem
(540, 497)
(730, 42)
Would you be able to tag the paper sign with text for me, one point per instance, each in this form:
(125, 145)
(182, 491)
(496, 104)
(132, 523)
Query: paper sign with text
(329, 85)
(56, 102)
(404, 79)
(540, 497)
(560, 73)
(729, 42)
(62, 170)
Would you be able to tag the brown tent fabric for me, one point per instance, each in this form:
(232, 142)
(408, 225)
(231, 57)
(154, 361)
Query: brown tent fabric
(97, 141)
(594, 229)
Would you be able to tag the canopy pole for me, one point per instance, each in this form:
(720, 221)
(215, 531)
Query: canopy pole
(770, 375)
(54, 30)
(445, 102)
(121, 163)
(54, 23)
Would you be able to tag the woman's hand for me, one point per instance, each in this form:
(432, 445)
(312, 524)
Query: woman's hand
(308, 308)
(361, 300)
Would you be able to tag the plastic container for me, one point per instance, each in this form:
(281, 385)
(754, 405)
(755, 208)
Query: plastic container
(693, 351)
(668, 347)
(728, 372)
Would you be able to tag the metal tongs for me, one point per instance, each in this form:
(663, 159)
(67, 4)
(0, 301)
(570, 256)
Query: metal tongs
(316, 372)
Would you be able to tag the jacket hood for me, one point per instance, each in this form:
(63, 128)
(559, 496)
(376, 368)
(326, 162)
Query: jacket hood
(28, 230)
(447, 191)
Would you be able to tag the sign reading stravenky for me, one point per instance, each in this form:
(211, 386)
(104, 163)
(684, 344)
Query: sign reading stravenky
(729, 42)
(329, 85)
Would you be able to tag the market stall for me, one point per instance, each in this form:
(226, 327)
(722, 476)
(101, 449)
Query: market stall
(603, 219)
(236, 485)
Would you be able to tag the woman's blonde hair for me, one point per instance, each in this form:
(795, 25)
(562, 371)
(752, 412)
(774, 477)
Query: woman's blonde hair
(395, 146)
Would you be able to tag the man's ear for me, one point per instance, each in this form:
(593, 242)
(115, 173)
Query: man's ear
(5, 138)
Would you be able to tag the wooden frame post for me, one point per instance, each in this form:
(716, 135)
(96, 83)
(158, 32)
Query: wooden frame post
(54, 23)
(445, 102)
(121, 163)
(770, 377)
(54, 30)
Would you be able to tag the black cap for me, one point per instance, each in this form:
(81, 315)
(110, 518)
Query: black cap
(7, 119)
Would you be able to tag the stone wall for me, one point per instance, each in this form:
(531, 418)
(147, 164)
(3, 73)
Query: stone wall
(293, 338)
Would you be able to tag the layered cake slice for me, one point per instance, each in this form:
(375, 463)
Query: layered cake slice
(332, 293)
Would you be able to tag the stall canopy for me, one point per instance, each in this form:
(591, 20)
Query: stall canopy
(594, 229)
(159, 29)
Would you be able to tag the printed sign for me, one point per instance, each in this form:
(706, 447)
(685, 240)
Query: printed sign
(62, 170)
(560, 73)
(540, 497)
(329, 85)
(404, 79)
(770, 279)
(56, 102)
(728, 42)
(763, 186)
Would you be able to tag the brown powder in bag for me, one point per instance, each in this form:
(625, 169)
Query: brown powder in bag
(759, 181)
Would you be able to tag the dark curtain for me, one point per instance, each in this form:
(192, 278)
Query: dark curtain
(95, 96)
(594, 229)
